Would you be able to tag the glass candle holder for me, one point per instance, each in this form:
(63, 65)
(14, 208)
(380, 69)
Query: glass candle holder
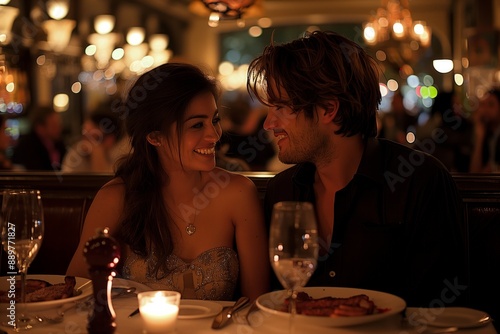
(159, 310)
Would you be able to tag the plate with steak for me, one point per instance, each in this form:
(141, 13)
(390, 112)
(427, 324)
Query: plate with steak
(333, 307)
(44, 291)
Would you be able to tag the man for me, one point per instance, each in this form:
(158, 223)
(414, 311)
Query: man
(389, 217)
(42, 148)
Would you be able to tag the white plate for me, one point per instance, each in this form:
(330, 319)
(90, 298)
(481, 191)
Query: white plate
(83, 289)
(460, 317)
(272, 302)
(197, 309)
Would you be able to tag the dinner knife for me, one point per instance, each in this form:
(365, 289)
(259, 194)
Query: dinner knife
(226, 314)
(136, 311)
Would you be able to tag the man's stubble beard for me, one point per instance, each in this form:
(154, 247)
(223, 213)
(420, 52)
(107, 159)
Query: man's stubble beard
(312, 148)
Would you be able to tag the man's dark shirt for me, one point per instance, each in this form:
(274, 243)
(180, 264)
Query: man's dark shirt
(398, 226)
(33, 155)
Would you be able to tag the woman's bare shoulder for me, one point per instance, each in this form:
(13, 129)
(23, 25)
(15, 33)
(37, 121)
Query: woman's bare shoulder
(224, 177)
(114, 189)
(116, 184)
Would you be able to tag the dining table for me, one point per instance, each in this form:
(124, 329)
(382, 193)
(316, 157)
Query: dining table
(75, 322)
(248, 320)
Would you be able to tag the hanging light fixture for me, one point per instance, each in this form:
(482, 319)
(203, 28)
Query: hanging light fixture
(228, 9)
(58, 29)
(57, 9)
(103, 40)
(7, 16)
(394, 35)
(58, 33)
(219, 10)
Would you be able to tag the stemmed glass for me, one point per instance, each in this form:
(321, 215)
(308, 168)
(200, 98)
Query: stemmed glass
(22, 234)
(293, 247)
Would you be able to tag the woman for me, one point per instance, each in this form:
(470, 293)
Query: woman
(486, 152)
(184, 224)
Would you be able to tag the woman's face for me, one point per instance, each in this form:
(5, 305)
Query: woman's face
(201, 130)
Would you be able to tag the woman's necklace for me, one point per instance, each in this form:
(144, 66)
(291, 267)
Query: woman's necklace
(186, 211)
(191, 229)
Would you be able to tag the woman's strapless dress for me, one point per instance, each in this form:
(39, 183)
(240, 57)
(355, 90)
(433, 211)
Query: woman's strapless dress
(212, 275)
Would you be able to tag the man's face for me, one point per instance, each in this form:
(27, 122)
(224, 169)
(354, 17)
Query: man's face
(297, 137)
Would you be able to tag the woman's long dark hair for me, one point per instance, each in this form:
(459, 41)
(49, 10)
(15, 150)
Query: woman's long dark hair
(156, 101)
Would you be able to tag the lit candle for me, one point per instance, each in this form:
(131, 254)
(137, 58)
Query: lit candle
(159, 310)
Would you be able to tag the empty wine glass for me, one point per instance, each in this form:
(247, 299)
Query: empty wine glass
(293, 247)
(22, 234)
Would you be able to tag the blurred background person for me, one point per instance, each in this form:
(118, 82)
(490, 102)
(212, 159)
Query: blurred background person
(102, 143)
(395, 124)
(449, 132)
(42, 148)
(5, 163)
(486, 139)
(244, 138)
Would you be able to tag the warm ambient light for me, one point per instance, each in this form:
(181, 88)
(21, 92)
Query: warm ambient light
(57, 9)
(4, 2)
(443, 65)
(228, 9)
(219, 10)
(135, 35)
(392, 30)
(61, 102)
(104, 24)
(58, 33)
(158, 42)
(7, 16)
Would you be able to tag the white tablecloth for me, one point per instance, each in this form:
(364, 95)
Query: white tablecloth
(75, 322)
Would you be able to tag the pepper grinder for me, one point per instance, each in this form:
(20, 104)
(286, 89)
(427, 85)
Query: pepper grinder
(102, 253)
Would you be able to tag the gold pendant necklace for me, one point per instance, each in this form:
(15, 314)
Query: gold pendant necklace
(191, 229)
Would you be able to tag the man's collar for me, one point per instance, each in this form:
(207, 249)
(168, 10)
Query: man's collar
(370, 166)
(304, 174)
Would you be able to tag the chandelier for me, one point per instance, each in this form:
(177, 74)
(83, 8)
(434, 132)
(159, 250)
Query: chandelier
(219, 10)
(396, 38)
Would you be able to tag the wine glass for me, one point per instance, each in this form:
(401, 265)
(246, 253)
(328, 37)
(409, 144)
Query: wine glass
(293, 247)
(22, 234)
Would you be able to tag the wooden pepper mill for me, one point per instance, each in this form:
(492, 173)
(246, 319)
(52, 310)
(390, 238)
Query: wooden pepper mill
(102, 253)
